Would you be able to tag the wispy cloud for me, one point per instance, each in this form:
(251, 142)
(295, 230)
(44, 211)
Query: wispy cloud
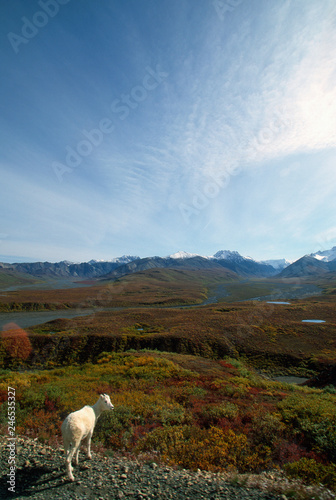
(262, 100)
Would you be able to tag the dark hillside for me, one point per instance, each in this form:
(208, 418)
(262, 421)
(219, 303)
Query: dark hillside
(11, 277)
(307, 267)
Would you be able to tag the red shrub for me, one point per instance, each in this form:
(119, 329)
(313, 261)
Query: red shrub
(225, 364)
(286, 452)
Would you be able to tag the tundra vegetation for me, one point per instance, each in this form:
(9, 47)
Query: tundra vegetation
(191, 387)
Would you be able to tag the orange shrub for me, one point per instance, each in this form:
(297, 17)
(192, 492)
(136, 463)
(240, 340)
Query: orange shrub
(209, 449)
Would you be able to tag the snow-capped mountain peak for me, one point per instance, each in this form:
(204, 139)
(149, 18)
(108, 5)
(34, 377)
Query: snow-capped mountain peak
(220, 255)
(325, 255)
(278, 264)
(124, 259)
(234, 257)
(182, 255)
(228, 255)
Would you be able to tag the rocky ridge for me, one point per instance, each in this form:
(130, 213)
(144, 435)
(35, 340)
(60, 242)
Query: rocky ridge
(40, 475)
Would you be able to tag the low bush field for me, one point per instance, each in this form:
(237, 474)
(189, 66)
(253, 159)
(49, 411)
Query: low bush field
(184, 410)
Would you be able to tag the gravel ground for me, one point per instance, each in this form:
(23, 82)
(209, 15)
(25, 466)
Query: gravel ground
(40, 475)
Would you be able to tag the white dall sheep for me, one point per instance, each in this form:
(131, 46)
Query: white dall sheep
(79, 426)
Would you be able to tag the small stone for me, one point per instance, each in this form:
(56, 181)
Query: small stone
(154, 465)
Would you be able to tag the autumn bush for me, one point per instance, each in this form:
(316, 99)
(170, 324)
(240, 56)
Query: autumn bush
(211, 449)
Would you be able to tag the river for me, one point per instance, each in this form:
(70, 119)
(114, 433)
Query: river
(26, 319)
(31, 318)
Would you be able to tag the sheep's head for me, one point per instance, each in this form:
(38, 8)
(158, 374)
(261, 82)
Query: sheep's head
(106, 402)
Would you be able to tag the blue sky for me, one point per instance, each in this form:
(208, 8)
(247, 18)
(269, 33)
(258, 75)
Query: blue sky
(145, 127)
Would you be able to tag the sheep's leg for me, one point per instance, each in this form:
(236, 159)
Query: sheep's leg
(69, 470)
(88, 445)
(76, 451)
(70, 454)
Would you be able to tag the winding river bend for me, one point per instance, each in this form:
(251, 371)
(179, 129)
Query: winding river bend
(31, 318)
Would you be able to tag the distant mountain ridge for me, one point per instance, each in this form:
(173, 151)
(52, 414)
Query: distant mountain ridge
(238, 265)
(121, 266)
(317, 264)
(65, 269)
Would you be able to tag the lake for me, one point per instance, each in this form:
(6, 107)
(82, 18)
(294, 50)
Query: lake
(289, 379)
(313, 321)
(273, 302)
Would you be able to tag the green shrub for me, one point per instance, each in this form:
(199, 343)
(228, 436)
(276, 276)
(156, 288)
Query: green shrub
(243, 371)
(314, 415)
(330, 389)
(214, 413)
(310, 471)
(323, 435)
(170, 414)
(314, 407)
(113, 426)
(32, 399)
(267, 428)
(234, 391)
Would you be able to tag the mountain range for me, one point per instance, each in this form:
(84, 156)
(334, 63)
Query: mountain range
(66, 269)
(235, 263)
(317, 264)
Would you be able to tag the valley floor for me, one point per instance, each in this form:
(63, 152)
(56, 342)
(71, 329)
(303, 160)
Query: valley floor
(181, 355)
